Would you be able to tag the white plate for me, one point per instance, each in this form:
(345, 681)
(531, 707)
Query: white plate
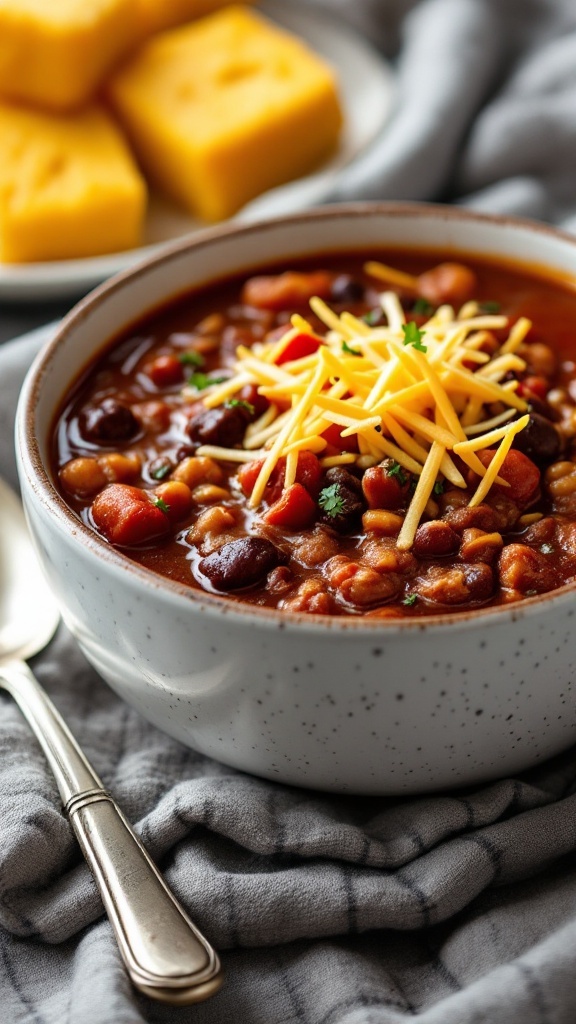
(366, 88)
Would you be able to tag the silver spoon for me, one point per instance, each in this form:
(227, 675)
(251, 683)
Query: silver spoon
(166, 956)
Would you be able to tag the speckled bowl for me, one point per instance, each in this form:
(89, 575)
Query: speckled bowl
(343, 704)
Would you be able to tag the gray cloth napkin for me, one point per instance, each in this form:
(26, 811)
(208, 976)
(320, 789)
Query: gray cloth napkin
(453, 909)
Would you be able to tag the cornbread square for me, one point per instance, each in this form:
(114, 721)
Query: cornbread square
(221, 110)
(55, 53)
(156, 15)
(69, 186)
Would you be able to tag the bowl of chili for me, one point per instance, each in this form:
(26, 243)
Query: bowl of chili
(306, 493)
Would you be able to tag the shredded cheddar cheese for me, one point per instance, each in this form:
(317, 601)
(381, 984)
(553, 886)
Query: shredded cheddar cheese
(421, 396)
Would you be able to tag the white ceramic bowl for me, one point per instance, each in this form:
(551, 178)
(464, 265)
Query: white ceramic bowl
(340, 704)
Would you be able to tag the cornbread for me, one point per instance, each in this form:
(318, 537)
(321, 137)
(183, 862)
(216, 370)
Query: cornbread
(225, 108)
(55, 54)
(68, 186)
(156, 15)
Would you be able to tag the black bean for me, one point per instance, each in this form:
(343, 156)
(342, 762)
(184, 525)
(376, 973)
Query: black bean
(347, 518)
(222, 426)
(539, 440)
(241, 563)
(342, 477)
(111, 420)
(346, 289)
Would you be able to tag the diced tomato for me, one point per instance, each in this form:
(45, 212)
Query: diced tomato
(294, 510)
(299, 346)
(308, 473)
(127, 515)
(383, 489)
(520, 472)
(534, 385)
(333, 435)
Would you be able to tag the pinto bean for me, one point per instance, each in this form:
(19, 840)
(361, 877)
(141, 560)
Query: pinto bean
(456, 584)
(287, 290)
(311, 598)
(108, 421)
(540, 359)
(383, 489)
(521, 569)
(435, 539)
(481, 518)
(448, 282)
(504, 510)
(241, 563)
(381, 553)
(359, 585)
(479, 546)
(316, 547)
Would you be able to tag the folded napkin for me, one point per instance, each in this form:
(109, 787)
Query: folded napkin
(452, 909)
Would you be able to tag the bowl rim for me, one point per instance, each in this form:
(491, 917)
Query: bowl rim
(31, 465)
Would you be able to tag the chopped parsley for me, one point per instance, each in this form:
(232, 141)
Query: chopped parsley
(410, 600)
(547, 549)
(489, 307)
(438, 487)
(331, 501)
(397, 471)
(373, 317)
(350, 351)
(422, 307)
(159, 503)
(239, 403)
(160, 472)
(413, 336)
(191, 359)
(200, 381)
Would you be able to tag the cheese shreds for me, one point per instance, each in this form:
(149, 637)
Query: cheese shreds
(419, 394)
(421, 495)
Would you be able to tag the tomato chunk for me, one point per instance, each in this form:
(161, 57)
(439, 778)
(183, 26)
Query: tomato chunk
(294, 510)
(333, 435)
(299, 346)
(308, 473)
(127, 515)
(519, 471)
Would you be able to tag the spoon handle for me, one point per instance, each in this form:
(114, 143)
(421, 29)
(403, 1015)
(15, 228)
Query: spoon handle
(166, 956)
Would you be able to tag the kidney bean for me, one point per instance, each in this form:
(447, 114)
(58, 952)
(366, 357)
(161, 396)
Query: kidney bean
(435, 539)
(249, 393)
(109, 421)
(222, 426)
(342, 476)
(519, 471)
(539, 440)
(241, 563)
(165, 371)
(456, 584)
(347, 518)
(383, 489)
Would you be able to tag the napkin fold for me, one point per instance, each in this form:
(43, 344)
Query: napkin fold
(456, 908)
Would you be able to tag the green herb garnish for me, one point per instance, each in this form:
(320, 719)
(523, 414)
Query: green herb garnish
(191, 359)
(159, 503)
(410, 599)
(397, 471)
(350, 351)
(239, 403)
(413, 336)
(438, 487)
(489, 307)
(331, 501)
(161, 472)
(422, 307)
(547, 549)
(373, 317)
(200, 381)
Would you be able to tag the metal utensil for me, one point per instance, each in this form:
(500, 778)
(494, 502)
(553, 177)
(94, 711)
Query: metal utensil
(166, 956)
